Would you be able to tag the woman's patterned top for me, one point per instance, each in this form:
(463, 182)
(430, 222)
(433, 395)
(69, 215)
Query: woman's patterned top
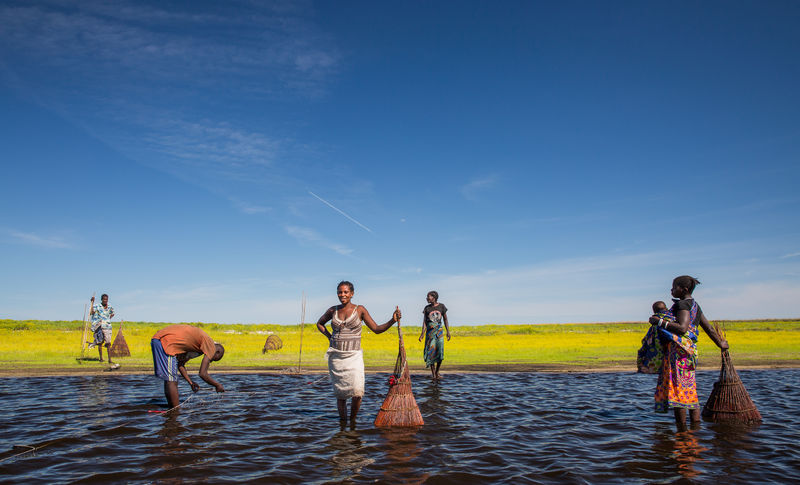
(346, 334)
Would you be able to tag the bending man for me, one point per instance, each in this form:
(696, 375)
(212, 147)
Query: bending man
(175, 345)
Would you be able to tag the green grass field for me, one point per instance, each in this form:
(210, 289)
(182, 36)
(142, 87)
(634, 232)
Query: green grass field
(56, 344)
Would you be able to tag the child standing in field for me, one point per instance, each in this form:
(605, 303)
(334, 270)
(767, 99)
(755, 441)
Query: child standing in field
(433, 316)
(677, 386)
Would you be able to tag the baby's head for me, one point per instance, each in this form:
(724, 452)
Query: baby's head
(659, 307)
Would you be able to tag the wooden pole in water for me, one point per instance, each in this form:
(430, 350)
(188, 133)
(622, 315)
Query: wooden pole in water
(85, 327)
(83, 337)
(302, 324)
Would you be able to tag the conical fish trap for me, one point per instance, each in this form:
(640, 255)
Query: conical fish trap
(399, 408)
(120, 347)
(729, 401)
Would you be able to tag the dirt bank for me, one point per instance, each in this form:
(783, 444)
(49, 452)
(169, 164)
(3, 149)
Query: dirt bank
(96, 368)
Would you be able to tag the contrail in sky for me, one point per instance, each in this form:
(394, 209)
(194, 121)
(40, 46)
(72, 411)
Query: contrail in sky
(340, 211)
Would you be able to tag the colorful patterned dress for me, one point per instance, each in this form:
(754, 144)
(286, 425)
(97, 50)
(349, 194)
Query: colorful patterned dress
(433, 352)
(677, 387)
(101, 326)
(651, 355)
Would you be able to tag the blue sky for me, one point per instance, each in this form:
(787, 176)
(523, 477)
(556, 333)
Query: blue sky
(533, 162)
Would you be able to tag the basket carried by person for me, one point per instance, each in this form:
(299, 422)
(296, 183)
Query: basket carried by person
(399, 408)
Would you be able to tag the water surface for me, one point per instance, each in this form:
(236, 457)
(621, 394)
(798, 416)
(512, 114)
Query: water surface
(480, 428)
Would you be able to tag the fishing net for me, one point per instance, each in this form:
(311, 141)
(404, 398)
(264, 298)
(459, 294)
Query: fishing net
(729, 402)
(273, 343)
(120, 347)
(399, 408)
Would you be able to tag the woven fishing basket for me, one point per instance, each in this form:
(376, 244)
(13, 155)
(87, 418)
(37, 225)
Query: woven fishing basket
(120, 347)
(729, 402)
(273, 343)
(399, 409)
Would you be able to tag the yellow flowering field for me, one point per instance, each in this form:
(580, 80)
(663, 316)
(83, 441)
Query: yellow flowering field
(56, 345)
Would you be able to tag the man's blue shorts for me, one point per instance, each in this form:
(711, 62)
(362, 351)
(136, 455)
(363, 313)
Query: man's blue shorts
(166, 366)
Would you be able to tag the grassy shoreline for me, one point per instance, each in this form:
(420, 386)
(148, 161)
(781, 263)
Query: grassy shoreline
(33, 347)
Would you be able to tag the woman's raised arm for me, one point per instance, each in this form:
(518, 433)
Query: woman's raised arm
(367, 318)
(715, 337)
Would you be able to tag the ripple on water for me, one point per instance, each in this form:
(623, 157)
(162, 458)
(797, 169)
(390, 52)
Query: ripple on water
(480, 428)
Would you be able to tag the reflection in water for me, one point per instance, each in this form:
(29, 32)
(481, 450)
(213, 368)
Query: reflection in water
(168, 454)
(433, 404)
(348, 454)
(734, 443)
(97, 393)
(402, 449)
(687, 452)
(97, 396)
(682, 448)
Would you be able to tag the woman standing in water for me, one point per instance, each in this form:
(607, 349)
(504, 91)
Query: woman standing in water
(434, 315)
(345, 359)
(677, 385)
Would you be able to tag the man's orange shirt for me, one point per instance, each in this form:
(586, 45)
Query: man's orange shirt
(177, 339)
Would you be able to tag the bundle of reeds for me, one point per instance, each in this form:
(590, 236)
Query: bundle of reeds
(120, 347)
(729, 402)
(399, 409)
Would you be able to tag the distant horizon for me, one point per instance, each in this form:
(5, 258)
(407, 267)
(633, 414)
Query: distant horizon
(453, 325)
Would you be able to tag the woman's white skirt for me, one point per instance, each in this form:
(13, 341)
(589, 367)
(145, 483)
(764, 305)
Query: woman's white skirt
(346, 368)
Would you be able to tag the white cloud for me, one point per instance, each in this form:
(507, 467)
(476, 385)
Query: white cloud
(769, 299)
(29, 238)
(270, 47)
(475, 186)
(155, 83)
(212, 154)
(596, 289)
(790, 255)
(309, 236)
(248, 208)
(605, 288)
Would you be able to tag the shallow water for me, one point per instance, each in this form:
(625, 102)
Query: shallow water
(479, 428)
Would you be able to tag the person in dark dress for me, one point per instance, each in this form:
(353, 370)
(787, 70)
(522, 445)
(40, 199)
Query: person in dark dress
(434, 323)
